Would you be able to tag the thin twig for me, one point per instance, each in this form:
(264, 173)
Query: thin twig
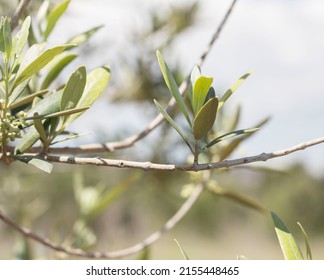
(186, 206)
(172, 167)
(18, 13)
(130, 141)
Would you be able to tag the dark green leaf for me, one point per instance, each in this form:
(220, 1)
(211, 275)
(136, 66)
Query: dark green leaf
(200, 91)
(173, 124)
(288, 244)
(37, 64)
(36, 161)
(233, 88)
(205, 118)
(172, 85)
(40, 128)
(54, 16)
(73, 89)
(211, 94)
(230, 135)
(56, 66)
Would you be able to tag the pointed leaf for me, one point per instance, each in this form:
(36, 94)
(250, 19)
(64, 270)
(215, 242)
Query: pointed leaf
(205, 119)
(172, 85)
(7, 37)
(288, 244)
(56, 66)
(36, 161)
(58, 114)
(73, 89)
(37, 64)
(40, 128)
(230, 135)
(54, 16)
(195, 74)
(50, 104)
(173, 124)
(308, 248)
(27, 99)
(185, 256)
(97, 81)
(233, 88)
(211, 94)
(18, 91)
(83, 37)
(200, 91)
(20, 39)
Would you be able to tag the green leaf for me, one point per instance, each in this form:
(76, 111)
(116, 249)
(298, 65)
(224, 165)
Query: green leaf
(211, 94)
(205, 118)
(233, 88)
(308, 248)
(73, 89)
(195, 74)
(185, 256)
(230, 135)
(36, 161)
(36, 65)
(200, 91)
(40, 128)
(288, 244)
(7, 37)
(173, 124)
(26, 99)
(18, 91)
(59, 114)
(20, 39)
(172, 85)
(53, 16)
(83, 37)
(97, 81)
(56, 66)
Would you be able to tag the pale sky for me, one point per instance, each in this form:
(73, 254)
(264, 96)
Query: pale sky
(282, 41)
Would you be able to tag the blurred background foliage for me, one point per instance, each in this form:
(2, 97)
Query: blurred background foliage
(107, 209)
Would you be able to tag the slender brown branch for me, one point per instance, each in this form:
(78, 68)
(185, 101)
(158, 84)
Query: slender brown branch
(172, 167)
(184, 209)
(18, 13)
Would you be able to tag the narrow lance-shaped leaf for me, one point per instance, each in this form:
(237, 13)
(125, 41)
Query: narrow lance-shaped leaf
(230, 135)
(172, 85)
(173, 124)
(37, 64)
(287, 242)
(82, 38)
(56, 66)
(97, 81)
(20, 39)
(7, 38)
(205, 118)
(40, 128)
(195, 74)
(53, 16)
(36, 161)
(73, 89)
(233, 88)
(308, 248)
(200, 91)
(58, 114)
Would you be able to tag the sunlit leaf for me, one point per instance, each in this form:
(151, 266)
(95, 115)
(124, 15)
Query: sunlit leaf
(230, 135)
(173, 124)
(200, 91)
(96, 83)
(233, 88)
(205, 119)
(172, 85)
(56, 66)
(7, 37)
(82, 38)
(195, 74)
(308, 248)
(36, 65)
(288, 244)
(53, 16)
(20, 39)
(73, 89)
(36, 161)
(27, 99)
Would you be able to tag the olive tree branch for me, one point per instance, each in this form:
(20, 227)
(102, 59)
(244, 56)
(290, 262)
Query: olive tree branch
(23, 4)
(184, 209)
(130, 141)
(172, 167)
